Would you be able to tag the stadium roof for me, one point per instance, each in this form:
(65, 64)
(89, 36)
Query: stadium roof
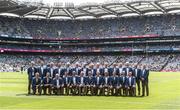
(70, 11)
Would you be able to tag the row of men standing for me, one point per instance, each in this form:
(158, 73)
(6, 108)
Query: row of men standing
(138, 75)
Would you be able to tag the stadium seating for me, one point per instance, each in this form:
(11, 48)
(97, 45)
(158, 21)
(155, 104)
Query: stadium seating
(162, 25)
(154, 62)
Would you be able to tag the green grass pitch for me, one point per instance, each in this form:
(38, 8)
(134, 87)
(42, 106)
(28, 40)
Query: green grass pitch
(164, 94)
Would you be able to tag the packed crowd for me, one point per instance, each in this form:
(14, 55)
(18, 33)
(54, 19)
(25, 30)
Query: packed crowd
(153, 62)
(166, 25)
(173, 65)
(88, 79)
(83, 48)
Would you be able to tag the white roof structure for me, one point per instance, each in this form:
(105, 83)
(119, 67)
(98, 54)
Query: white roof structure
(135, 8)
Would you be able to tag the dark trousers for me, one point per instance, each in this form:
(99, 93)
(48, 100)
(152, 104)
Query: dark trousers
(123, 90)
(66, 89)
(75, 89)
(145, 87)
(82, 90)
(106, 89)
(37, 88)
(88, 89)
(45, 89)
(57, 90)
(70, 89)
(29, 86)
(117, 90)
(98, 90)
(138, 85)
(132, 91)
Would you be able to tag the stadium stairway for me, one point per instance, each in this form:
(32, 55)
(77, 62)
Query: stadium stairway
(75, 59)
(115, 60)
(94, 59)
(141, 60)
(169, 59)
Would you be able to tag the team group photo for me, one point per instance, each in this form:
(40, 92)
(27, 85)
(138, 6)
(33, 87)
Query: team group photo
(89, 54)
(118, 80)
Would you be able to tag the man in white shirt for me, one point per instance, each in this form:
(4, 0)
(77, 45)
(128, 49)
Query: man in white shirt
(91, 68)
(114, 84)
(68, 69)
(98, 69)
(51, 70)
(59, 70)
(31, 73)
(82, 81)
(127, 69)
(58, 85)
(122, 83)
(106, 86)
(145, 80)
(120, 69)
(98, 85)
(114, 69)
(89, 83)
(84, 69)
(131, 84)
(75, 83)
(66, 80)
(77, 68)
(137, 74)
(36, 84)
(105, 69)
(47, 84)
(41, 70)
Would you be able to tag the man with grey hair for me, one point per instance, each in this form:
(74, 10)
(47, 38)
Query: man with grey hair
(145, 80)
(137, 74)
(58, 85)
(36, 84)
(47, 83)
(77, 68)
(75, 83)
(51, 70)
(59, 70)
(127, 68)
(82, 82)
(68, 69)
(98, 69)
(120, 69)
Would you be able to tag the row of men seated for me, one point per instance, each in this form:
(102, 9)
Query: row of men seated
(81, 84)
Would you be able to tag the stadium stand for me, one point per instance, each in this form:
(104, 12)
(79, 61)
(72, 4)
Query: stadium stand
(90, 28)
(155, 62)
